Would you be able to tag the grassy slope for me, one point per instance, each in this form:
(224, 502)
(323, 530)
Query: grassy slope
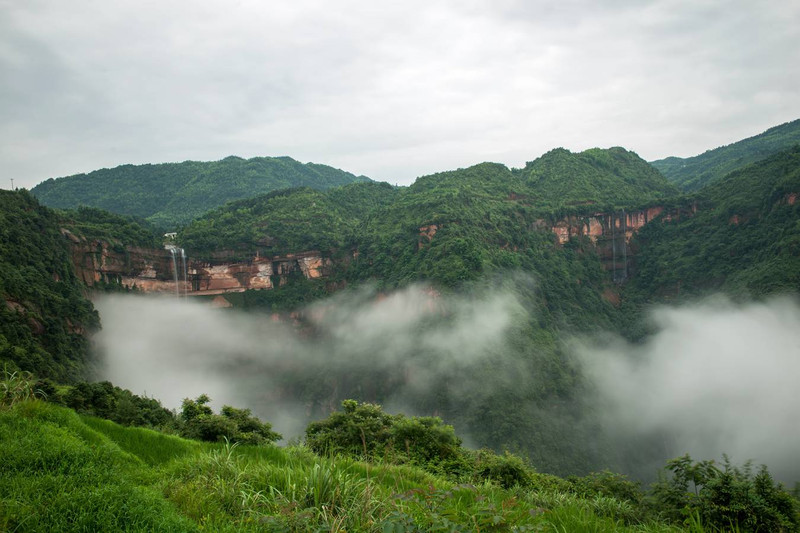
(172, 194)
(693, 173)
(62, 472)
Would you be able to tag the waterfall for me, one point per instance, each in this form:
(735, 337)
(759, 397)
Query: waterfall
(173, 252)
(184, 272)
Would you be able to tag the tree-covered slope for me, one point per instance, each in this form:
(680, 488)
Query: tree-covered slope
(604, 178)
(744, 238)
(693, 173)
(172, 194)
(44, 316)
(286, 221)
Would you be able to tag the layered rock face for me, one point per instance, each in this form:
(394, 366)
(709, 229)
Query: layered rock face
(611, 233)
(161, 270)
(603, 226)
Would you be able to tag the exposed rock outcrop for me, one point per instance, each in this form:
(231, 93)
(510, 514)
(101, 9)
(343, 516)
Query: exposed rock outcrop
(611, 233)
(153, 270)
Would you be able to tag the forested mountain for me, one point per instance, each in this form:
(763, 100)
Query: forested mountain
(605, 178)
(172, 194)
(744, 238)
(45, 318)
(693, 173)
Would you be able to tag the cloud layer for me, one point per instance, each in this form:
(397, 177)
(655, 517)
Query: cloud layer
(392, 91)
(386, 348)
(716, 378)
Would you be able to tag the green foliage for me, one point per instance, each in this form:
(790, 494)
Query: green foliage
(725, 498)
(59, 475)
(232, 424)
(95, 224)
(744, 238)
(694, 173)
(365, 430)
(44, 314)
(172, 194)
(608, 484)
(107, 401)
(603, 179)
(61, 472)
(18, 386)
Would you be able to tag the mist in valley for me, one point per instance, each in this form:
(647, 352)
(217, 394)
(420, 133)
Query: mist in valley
(714, 378)
(291, 369)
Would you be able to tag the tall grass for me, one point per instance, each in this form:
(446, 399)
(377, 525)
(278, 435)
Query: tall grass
(152, 447)
(17, 386)
(59, 475)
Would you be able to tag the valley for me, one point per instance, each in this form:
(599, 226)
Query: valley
(574, 317)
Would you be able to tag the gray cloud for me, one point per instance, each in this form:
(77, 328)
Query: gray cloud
(394, 90)
(716, 378)
(356, 344)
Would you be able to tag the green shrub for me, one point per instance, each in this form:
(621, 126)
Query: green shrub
(234, 425)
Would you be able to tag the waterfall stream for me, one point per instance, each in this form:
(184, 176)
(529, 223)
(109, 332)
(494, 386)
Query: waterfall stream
(177, 275)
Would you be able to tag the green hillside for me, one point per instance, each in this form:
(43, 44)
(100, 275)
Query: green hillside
(289, 220)
(64, 472)
(172, 194)
(45, 317)
(607, 179)
(744, 238)
(693, 173)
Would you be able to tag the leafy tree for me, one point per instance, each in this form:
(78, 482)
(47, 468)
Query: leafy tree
(725, 498)
(236, 425)
(365, 430)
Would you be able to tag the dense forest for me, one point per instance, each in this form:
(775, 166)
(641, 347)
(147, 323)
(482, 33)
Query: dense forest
(171, 194)
(477, 246)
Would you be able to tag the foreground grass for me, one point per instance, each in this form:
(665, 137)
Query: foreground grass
(62, 472)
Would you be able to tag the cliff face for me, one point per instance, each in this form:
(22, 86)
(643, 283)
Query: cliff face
(162, 270)
(159, 270)
(603, 226)
(611, 233)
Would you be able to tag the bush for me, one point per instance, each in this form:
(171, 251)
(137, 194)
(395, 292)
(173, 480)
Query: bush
(235, 425)
(725, 498)
(364, 430)
(506, 470)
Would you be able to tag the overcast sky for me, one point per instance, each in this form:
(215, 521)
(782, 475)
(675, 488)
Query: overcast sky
(391, 90)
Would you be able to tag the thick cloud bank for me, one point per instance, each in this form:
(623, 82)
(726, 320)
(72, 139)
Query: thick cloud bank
(357, 344)
(716, 378)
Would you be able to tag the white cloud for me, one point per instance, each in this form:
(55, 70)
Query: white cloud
(390, 90)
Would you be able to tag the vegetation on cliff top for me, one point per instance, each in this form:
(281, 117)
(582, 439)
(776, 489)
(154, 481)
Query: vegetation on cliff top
(172, 194)
(605, 179)
(693, 173)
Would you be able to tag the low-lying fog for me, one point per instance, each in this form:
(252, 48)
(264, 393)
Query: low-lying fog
(715, 377)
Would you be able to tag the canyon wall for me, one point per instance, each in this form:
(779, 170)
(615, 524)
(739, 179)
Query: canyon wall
(153, 270)
(611, 233)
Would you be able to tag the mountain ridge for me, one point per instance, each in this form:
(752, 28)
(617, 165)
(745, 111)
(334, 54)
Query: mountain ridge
(171, 194)
(693, 173)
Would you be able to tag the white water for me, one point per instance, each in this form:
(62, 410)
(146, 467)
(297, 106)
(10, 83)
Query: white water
(183, 276)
